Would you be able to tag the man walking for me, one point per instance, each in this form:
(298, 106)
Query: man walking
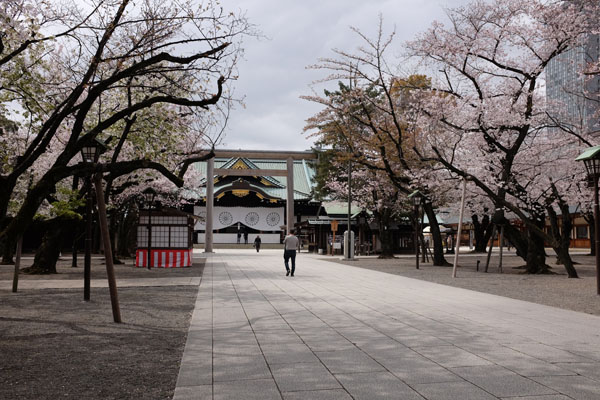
(290, 245)
(257, 242)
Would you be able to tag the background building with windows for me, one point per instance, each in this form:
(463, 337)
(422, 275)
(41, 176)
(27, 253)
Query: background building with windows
(572, 96)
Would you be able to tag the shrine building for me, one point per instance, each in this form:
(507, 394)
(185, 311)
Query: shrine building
(250, 192)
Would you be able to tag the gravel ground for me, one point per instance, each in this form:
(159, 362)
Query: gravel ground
(98, 270)
(552, 290)
(54, 345)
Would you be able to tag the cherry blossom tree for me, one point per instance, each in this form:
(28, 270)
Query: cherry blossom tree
(490, 112)
(143, 72)
(373, 114)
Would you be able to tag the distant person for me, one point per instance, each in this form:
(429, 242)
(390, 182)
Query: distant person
(257, 242)
(239, 236)
(290, 245)
(245, 237)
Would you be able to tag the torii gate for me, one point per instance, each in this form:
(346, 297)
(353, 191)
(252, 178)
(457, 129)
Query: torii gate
(289, 156)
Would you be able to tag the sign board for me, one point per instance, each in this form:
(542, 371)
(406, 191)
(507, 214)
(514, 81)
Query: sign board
(334, 226)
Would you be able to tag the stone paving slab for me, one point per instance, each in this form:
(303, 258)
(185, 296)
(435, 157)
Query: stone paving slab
(338, 332)
(303, 376)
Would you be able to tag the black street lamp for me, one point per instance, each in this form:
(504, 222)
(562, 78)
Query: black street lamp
(89, 154)
(417, 199)
(591, 160)
(149, 196)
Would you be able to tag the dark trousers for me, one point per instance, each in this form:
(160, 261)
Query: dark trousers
(287, 254)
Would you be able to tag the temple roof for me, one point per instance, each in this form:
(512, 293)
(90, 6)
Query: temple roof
(273, 186)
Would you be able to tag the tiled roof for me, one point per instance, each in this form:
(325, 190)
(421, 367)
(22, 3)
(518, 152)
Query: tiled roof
(304, 174)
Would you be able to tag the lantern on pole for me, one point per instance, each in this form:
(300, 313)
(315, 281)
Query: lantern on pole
(90, 153)
(417, 199)
(149, 195)
(591, 160)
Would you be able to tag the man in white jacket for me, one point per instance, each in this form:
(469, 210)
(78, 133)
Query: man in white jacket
(290, 244)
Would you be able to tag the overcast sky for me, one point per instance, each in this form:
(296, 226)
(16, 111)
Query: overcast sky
(273, 75)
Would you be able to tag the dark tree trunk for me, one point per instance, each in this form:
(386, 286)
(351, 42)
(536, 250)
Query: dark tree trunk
(48, 253)
(7, 247)
(482, 231)
(562, 238)
(8, 186)
(436, 235)
(383, 219)
(518, 239)
(536, 255)
(7, 252)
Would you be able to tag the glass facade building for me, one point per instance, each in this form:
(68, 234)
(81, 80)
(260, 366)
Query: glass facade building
(572, 96)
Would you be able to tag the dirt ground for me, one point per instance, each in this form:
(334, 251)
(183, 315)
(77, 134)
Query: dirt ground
(553, 290)
(98, 270)
(55, 345)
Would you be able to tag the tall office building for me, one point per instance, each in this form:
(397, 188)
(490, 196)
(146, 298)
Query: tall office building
(574, 97)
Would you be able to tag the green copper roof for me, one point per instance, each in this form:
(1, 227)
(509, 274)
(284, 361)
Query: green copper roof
(304, 174)
(592, 152)
(340, 208)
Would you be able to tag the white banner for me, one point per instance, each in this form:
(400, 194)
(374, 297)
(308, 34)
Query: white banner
(259, 218)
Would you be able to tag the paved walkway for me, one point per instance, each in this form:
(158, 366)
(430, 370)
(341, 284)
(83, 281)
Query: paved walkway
(338, 332)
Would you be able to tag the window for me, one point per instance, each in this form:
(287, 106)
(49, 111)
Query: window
(167, 232)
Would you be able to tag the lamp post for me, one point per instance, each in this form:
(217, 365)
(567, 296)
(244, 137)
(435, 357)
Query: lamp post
(89, 154)
(416, 198)
(149, 196)
(591, 160)
(349, 236)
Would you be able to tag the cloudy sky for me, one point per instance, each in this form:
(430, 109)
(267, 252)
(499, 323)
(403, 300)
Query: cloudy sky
(273, 75)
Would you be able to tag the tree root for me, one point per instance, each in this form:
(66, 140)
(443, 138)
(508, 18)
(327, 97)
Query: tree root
(36, 271)
(547, 271)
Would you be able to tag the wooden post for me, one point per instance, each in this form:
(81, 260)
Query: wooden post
(487, 263)
(460, 221)
(110, 271)
(501, 244)
(417, 236)
(17, 265)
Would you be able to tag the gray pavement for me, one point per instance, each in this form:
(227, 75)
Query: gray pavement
(338, 332)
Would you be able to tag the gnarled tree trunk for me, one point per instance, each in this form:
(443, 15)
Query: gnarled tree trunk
(482, 231)
(48, 253)
(385, 235)
(436, 235)
(536, 255)
(562, 238)
(7, 245)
